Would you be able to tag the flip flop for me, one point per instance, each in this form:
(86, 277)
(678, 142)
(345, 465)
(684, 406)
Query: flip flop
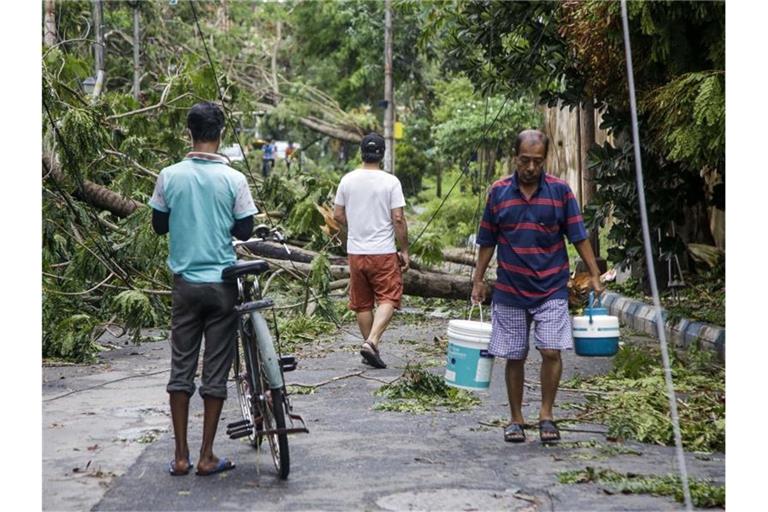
(514, 433)
(223, 465)
(371, 355)
(172, 468)
(548, 427)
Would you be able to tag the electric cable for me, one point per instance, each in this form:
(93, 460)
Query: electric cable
(649, 261)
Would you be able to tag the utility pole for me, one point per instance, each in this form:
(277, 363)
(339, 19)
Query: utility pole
(389, 113)
(136, 43)
(98, 46)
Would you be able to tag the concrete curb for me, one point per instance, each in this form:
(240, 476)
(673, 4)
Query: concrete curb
(681, 334)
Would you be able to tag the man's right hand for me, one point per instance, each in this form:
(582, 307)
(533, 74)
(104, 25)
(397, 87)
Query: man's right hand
(478, 292)
(405, 261)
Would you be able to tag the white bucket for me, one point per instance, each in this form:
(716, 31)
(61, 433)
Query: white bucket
(468, 364)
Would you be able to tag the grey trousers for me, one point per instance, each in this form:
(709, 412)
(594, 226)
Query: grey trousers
(202, 308)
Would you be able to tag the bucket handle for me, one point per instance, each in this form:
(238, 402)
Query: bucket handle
(591, 303)
(480, 307)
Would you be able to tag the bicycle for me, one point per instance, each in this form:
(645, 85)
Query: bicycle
(258, 368)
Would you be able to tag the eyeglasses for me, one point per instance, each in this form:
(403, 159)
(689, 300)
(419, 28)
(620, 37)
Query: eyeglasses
(525, 161)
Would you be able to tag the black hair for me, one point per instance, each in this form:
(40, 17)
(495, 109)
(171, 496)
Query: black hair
(536, 135)
(372, 148)
(206, 121)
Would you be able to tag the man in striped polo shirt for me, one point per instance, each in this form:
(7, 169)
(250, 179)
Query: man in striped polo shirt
(526, 216)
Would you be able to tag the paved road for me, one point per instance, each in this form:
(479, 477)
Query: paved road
(356, 458)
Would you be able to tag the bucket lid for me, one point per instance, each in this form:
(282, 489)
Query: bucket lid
(596, 311)
(470, 327)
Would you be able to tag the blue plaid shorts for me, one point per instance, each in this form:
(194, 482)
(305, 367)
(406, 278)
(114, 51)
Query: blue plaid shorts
(511, 328)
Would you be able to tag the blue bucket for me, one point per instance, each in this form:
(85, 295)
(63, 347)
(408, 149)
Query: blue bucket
(468, 364)
(596, 334)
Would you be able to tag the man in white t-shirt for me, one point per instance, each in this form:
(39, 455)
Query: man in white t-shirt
(369, 202)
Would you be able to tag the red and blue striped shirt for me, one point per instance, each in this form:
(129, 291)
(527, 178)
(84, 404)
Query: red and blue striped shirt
(531, 256)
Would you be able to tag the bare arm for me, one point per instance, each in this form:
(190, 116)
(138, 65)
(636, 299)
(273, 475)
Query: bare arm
(484, 255)
(340, 216)
(584, 248)
(401, 234)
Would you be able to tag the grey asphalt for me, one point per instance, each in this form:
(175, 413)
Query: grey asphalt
(355, 458)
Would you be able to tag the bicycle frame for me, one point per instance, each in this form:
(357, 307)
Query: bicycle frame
(266, 360)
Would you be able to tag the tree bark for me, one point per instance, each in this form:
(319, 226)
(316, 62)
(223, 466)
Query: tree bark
(415, 282)
(49, 39)
(277, 251)
(337, 132)
(92, 193)
(275, 50)
(459, 256)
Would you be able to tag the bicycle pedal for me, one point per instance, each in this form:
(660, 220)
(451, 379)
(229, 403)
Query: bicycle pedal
(237, 424)
(247, 426)
(241, 433)
(288, 363)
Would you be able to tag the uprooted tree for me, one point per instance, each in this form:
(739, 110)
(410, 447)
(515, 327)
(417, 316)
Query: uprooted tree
(103, 267)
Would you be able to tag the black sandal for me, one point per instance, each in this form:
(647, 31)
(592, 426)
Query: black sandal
(550, 428)
(514, 433)
(370, 354)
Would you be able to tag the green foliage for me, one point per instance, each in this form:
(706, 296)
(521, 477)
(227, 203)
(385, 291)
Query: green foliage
(687, 116)
(411, 165)
(465, 121)
(304, 327)
(704, 493)
(418, 390)
(71, 338)
(571, 52)
(429, 248)
(636, 406)
(136, 310)
(668, 189)
(457, 219)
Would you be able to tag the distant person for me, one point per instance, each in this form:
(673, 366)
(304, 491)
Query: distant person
(526, 216)
(289, 155)
(201, 202)
(268, 159)
(370, 202)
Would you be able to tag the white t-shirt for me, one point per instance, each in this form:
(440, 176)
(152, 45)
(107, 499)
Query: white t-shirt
(368, 197)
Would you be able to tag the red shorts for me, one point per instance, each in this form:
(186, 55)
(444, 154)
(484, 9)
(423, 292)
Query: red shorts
(374, 275)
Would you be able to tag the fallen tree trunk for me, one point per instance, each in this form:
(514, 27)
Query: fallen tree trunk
(415, 282)
(459, 256)
(94, 194)
(276, 251)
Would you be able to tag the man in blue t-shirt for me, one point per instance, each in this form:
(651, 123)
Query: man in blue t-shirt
(526, 216)
(201, 202)
(268, 159)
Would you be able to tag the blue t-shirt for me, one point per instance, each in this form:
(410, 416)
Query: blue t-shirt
(269, 151)
(204, 197)
(532, 259)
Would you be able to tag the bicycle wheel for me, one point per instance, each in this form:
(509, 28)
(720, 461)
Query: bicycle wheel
(274, 418)
(244, 383)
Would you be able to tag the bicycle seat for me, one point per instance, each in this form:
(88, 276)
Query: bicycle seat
(240, 268)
